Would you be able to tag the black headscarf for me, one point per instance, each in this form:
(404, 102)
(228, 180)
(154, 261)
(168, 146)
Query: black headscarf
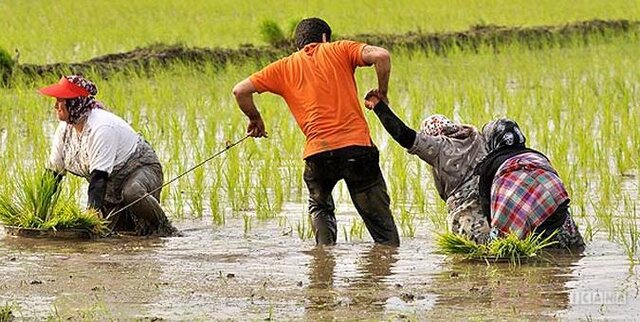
(504, 139)
(501, 133)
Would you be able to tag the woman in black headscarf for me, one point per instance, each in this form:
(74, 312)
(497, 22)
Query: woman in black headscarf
(520, 191)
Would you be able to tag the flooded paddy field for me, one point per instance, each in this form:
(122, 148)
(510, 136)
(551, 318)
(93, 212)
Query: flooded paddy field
(223, 274)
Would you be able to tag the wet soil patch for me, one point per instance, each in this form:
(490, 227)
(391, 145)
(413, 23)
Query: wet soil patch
(147, 59)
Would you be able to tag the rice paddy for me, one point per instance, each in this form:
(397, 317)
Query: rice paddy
(248, 246)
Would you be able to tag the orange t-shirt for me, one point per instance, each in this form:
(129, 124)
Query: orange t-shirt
(319, 86)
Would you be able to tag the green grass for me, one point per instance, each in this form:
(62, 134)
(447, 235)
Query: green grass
(510, 247)
(272, 33)
(36, 29)
(6, 66)
(6, 313)
(36, 203)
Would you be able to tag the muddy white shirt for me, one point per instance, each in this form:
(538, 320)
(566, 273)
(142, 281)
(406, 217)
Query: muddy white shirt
(105, 141)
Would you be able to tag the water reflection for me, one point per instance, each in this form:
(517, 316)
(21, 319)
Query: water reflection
(367, 291)
(502, 290)
(81, 278)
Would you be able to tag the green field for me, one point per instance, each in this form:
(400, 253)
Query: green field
(574, 103)
(64, 31)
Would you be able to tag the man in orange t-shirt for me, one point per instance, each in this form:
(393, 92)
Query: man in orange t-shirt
(318, 84)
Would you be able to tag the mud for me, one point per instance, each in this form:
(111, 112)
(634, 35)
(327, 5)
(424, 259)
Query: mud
(221, 274)
(147, 59)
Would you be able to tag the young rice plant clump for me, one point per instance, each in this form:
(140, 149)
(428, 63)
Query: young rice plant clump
(511, 247)
(37, 203)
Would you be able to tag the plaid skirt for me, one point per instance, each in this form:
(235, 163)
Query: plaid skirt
(525, 192)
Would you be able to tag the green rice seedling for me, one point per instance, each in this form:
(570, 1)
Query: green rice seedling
(419, 195)
(246, 223)
(438, 215)
(6, 66)
(304, 228)
(510, 247)
(264, 209)
(37, 203)
(237, 179)
(628, 235)
(406, 224)
(217, 214)
(604, 214)
(278, 189)
(588, 232)
(272, 33)
(6, 313)
(196, 192)
(74, 218)
(357, 229)
(399, 184)
(177, 197)
(345, 233)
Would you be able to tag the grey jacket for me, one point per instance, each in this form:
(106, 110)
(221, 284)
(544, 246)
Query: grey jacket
(452, 160)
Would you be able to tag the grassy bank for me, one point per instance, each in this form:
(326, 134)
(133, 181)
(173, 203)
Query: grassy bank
(71, 31)
(482, 37)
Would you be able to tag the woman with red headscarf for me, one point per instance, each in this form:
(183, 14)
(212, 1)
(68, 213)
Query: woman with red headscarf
(119, 164)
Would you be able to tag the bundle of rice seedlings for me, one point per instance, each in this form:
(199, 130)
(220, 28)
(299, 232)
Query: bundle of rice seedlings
(37, 203)
(6, 313)
(509, 248)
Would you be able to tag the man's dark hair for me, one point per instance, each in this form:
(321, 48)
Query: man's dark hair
(310, 30)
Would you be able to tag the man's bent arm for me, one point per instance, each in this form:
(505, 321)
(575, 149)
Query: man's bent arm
(381, 59)
(243, 92)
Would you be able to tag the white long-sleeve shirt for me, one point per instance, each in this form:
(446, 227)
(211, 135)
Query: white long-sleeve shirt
(105, 141)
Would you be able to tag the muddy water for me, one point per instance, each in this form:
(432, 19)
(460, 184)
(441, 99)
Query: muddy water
(223, 274)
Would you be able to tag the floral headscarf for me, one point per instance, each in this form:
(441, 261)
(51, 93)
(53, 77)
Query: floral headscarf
(79, 107)
(503, 132)
(437, 124)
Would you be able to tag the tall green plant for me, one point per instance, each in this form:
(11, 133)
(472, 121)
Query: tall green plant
(37, 203)
(272, 33)
(6, 66)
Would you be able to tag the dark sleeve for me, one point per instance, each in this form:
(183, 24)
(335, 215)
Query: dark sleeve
(58, 177)
(97, 188)
(394, 125)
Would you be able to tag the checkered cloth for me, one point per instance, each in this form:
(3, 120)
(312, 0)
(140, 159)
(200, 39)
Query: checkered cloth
(525, 192)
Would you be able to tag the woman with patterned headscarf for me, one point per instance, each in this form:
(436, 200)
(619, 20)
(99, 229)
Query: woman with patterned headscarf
(119, 164)
(519, 189)
(452, 150)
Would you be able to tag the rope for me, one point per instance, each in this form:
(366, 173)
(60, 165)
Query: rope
(229, 146)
